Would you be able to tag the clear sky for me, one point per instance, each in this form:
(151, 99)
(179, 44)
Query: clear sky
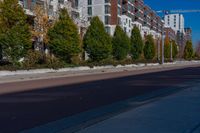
(191, 19)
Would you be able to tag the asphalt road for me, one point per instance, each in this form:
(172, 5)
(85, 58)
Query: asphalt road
(27, 109)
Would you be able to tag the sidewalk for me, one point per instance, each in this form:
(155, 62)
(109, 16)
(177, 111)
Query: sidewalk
(25, 75)
(177, 113)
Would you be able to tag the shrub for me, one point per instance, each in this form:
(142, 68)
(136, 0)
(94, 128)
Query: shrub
(53, 62)
(32, 59)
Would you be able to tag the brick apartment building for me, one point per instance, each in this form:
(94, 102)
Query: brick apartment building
(170, 34)
(109, 11)
(126, 13)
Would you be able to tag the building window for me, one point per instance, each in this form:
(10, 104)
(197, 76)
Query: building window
(107, 29)
(107, 9)
(89, 2)
(119, 11)
(76, 3)
(90, 11)
(107, 1)
(130, 8)
(119, 21)
(107, 20)
(119, 2)
(125, 29)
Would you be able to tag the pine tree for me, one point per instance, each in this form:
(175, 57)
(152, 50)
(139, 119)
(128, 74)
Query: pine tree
(188, 51)
(149, 48)
(121, 44)
(136, 43)
(97, 43)
(175, 49)
(64, 40)
(15, 36)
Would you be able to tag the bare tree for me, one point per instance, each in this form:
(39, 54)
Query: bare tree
(42, 23)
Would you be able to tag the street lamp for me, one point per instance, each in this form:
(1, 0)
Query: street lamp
(163, 42)
(171, 51)
(158, 49)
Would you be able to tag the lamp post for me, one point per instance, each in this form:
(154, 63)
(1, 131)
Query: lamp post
(158, 49)
(163, 42)
(171, 51)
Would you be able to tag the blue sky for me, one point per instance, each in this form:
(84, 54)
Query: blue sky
(191, 19)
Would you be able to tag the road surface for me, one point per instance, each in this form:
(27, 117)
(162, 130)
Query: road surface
(22, 110)
(176, 113)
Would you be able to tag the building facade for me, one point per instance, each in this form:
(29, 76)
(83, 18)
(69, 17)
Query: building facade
(170, 34)
(52, 8)
(188, 34)
(126, 13)
(109, 12)
(176, 22)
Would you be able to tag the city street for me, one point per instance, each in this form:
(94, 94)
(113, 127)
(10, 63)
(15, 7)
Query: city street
(177, 113)
(35, 107)
(99, 66)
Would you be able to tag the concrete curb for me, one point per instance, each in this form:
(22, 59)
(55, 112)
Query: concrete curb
(86, 68)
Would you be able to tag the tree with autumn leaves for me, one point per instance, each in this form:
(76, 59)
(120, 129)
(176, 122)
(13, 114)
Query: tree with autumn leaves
(168, 46)
(42, 24)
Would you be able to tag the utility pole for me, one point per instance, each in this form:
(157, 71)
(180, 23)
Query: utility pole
(163, 58)
(158, 49)
(171, 51)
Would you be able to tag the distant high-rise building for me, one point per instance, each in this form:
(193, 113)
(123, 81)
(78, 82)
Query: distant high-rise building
(170, 33)
(175, 21)
(188, 34)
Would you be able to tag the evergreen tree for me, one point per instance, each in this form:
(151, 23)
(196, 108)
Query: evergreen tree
(175, 49)
(121, 44)
(15, 36)
(136, 43)
(97, 43)
(188, 51)
(149, 48)
(64, 40)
